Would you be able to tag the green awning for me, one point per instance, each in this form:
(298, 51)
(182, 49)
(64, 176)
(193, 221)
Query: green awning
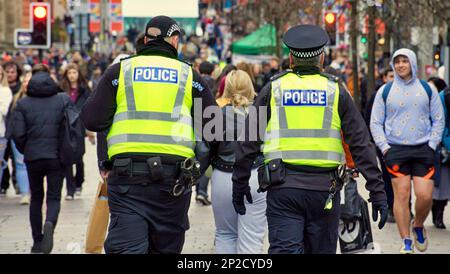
(260, 42)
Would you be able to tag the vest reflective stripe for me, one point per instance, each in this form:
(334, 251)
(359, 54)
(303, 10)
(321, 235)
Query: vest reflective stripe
(305, 154)
(148, 138)
(328, 115)
(153, 116)
(280, 110)
(128, 78)
(180, 94)
(304, 140)
(304, 133)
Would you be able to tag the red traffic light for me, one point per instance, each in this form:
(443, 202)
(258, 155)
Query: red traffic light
(40, 12)
(330, 18)
(437, 56)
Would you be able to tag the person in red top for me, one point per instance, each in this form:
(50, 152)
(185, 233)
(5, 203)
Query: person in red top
(76, 86)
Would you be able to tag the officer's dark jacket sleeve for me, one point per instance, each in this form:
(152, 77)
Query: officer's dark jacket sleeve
(247, 151)
(98, 112)
(102, 147)
(200, 91)
(357, 136)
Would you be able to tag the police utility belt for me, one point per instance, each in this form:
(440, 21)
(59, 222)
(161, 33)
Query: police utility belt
(184, 172)
(275, 171)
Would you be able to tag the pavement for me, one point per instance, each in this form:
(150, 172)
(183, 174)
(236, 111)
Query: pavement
(69, 237)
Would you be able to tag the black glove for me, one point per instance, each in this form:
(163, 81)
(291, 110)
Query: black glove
(238, 198)
(382, 207)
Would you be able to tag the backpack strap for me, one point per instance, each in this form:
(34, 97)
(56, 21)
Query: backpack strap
(386, 90)
(385, 94)
(427, 88)
(442, 98)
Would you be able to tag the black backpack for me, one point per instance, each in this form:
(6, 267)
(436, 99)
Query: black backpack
(71, 135)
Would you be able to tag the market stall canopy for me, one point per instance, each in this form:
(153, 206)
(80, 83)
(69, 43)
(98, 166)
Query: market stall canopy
(260, 42)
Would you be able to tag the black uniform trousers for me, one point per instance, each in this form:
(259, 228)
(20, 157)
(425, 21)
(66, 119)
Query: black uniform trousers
(298, 222)
(145, 216)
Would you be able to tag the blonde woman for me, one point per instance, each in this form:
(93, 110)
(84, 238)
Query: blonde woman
(241, 234)
(5, 100)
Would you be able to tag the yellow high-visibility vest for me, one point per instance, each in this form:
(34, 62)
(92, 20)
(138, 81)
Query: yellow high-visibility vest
(154, 101)
(305, 127)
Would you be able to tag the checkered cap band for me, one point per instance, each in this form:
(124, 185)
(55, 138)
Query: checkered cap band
(306, 54)
(172, 29)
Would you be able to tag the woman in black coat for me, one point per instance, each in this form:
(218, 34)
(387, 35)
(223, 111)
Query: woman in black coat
(37, 119)
(75, 85)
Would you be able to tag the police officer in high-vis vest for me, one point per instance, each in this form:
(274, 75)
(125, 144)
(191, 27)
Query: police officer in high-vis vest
(306, 111)
(146, 102)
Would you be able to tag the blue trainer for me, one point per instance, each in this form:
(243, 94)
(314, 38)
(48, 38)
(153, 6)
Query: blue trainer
(407, 246)
(420, 238)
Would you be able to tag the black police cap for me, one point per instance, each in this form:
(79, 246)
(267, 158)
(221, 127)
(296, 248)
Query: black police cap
(167, 27)
(306, 41)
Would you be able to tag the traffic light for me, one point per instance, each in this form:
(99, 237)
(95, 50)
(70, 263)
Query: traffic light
(363, 39)
(41, 25)
(330, 26)
(39, 34)
(437, 55)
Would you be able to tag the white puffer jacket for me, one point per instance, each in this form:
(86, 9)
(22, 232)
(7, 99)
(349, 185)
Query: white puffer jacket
(5, 101)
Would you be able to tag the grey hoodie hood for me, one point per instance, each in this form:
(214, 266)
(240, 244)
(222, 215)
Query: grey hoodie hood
(412, 60)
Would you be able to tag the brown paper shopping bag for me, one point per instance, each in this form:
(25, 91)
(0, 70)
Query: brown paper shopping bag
(98, 221)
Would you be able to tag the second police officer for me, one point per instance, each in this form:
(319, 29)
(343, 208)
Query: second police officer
(306, 111)
(147, 103)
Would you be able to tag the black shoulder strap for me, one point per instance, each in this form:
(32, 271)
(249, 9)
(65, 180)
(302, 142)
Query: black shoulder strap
(129, 57)
(184, 61)
(330, 76)
(280, 74)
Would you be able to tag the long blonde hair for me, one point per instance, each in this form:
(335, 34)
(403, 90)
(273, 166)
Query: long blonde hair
(23, 89)
(239, 89)
(3, 80)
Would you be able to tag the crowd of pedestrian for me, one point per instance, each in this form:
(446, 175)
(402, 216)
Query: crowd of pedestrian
(407, 118)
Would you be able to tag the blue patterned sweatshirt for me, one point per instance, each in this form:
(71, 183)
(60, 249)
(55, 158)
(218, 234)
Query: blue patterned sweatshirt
(410, 118)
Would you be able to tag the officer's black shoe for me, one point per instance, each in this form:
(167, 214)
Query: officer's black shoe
(47, 241)
(36, 248)
(203, 199)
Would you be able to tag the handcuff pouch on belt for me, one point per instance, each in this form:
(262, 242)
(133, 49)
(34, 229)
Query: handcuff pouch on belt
(270, 174)
(122, 167)
(155, 168)
(189, 173)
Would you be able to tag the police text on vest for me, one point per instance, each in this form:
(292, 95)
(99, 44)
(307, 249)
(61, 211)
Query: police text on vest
(295, 97)
(155, 74)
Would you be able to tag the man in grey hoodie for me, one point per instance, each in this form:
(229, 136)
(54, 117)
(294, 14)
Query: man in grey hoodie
(407, 124)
